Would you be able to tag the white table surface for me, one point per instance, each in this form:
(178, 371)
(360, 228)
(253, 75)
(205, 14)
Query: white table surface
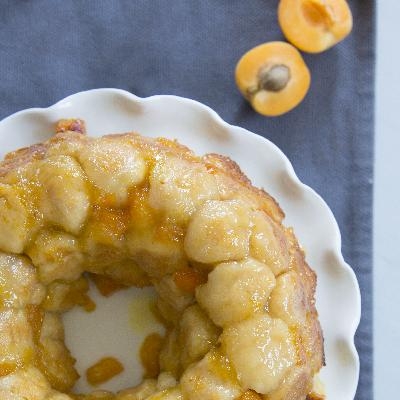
(387, 204)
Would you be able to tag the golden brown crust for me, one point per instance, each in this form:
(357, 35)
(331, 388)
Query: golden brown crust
(232, 170)
(72, 124)
(21, 157)
(315, 396)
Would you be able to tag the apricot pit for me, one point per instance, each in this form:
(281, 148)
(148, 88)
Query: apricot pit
(273, 77)
(315, 25)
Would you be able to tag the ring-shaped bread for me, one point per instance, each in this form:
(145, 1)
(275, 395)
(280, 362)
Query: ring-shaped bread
(232, 281)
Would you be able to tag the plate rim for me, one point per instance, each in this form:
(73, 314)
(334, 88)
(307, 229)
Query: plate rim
(235, 130)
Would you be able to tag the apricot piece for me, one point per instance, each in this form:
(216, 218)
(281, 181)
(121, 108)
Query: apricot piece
(150, 354)
(103, 370)
(188, 279)
(106, 285)
(273, 77)
(315, 25)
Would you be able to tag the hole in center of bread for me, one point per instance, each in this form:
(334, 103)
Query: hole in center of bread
(116, 328)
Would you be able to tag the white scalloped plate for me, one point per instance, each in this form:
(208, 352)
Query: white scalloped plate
(201, 129)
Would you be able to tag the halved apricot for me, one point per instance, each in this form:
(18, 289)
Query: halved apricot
(150, 354)
(273, 77)
(315, 25)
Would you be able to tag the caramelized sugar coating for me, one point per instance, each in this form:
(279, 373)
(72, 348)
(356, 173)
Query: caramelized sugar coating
(234, 288)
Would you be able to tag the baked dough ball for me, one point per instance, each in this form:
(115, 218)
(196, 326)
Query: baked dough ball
(232, 282)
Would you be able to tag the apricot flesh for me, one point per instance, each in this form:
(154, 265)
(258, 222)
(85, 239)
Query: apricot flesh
(273, 77)
(315, 25)
(103, 370)
(150, 354)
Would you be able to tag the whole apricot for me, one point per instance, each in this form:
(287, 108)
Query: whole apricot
(315, 25)
(273, 77)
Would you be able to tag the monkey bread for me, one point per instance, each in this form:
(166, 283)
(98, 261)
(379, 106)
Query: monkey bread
(233, 286)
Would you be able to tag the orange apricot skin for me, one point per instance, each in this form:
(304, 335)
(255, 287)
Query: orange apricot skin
(314, 26)
(103, 370)
(271, 103)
